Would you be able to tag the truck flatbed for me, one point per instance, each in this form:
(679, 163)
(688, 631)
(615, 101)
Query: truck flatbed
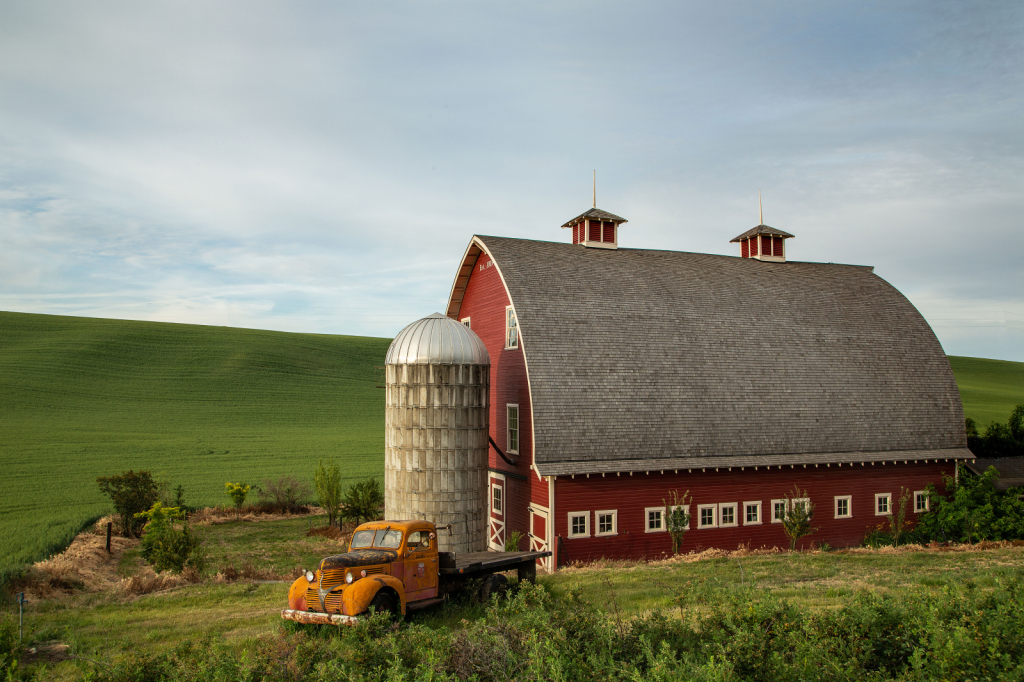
(488, 562)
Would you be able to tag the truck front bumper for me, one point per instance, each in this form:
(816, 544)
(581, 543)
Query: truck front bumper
(317, 618)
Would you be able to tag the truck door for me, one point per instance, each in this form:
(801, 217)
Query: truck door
(420, 566)
(496, 517)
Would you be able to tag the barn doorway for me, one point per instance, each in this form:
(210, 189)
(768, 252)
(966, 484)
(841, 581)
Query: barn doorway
(496, 518)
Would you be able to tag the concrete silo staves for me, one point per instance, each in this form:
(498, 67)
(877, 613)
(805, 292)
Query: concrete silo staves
(435, 465)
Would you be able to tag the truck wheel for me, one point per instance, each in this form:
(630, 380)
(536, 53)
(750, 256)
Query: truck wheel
(383, 602)
(494, 586)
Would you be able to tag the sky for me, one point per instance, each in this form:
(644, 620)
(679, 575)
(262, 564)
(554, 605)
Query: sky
(321, 166)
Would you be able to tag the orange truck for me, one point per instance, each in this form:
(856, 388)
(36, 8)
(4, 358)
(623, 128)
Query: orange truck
(395, 566)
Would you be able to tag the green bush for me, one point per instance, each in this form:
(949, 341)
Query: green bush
(327, 481)
(131, 494)
(363, 501)
(972, 510)
(998, 440)
(168, 547)
(10, 647)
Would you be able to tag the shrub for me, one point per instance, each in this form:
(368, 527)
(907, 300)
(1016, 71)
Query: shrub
(513, 540)
(131, 494)
(167, 547)
(284, 494)
(363, 500)
(10, 647)
(999, 440)
(237, 492)
(327, 481)
(797, 521)
(677, 519)
(972, 511)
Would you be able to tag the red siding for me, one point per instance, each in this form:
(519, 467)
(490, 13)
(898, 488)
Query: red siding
(745, 248)
(630, 495)
(776, 246)
(576, 234)
(609, 231)
(595, 231)
(753, 246)
(485, 303)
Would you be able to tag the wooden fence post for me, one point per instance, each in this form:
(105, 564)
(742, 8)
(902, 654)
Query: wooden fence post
(109, 527)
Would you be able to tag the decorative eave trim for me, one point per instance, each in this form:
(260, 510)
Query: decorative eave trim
(755, 462)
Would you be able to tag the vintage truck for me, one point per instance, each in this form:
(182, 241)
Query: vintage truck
(395, 566)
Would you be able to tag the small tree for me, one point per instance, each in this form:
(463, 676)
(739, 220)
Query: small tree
(237, 492)
(131, 493)
(167, 547)
(898, 521)
(327, 481)
(363, 500)
(285, 493)
(677, 518)
(797, 520)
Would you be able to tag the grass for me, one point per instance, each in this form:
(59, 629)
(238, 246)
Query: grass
(81, 398)
(989, 389)
(101, 624)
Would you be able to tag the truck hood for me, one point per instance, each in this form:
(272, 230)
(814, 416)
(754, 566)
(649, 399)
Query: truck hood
(359, 557)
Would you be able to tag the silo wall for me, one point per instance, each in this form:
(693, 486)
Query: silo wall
(435, 466)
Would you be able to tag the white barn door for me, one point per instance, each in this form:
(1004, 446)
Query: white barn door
(496, 517)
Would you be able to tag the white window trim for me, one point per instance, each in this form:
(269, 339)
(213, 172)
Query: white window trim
(714, 516)
(501, 488)
(735, 515)
(510, 311)
(760, 518)
(466, 322)
(685, 507)
(597, 522)
(586, 524)
(888, 505)
(647, 520)
(849, 506)
(798, 500)
(927, 501)
(508, 431)
(774, 502)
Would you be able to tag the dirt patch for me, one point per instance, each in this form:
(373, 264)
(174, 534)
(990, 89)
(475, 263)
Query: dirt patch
(47, 652)
(84, 565)
(212, 516)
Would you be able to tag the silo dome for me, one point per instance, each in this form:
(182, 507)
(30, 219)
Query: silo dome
(436, 430)
(437, 340)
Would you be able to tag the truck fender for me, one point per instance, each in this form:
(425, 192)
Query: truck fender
(297, 594)
(357, 597)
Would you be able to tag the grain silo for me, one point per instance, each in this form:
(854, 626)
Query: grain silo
(435, 464)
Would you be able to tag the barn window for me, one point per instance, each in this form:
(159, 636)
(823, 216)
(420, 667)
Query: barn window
(707, 515)
(727, 514)
(802, 503)
(496, 498)
(883, 504)
(511, 329)
(778, 511)
(579, 524)
(672, 510)
(921, 501)
(752, 513)
(465, 321)
(844, 507)
(655, 519)
(607, 522)
(512, 441)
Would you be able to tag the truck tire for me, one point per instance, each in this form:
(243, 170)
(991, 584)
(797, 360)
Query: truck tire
(384, 602)
(495, 585)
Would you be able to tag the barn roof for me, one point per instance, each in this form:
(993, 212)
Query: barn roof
(762, 229)
(597, 214)
(643, 359)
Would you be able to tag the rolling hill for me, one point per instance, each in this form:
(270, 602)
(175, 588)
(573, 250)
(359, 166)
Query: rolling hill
(82, 397)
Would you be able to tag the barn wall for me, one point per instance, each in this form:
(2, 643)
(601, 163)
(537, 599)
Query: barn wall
(484, 303)
(630, 495)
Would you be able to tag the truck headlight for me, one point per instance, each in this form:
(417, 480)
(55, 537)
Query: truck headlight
(310, 577)
(348, 578)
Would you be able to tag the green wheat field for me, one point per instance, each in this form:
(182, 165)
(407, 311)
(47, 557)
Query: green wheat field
(81, 398)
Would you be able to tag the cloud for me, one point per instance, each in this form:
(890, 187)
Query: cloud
(321, 167)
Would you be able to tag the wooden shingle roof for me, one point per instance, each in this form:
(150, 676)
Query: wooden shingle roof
(595, 214)
(762, 229)
(642, 359)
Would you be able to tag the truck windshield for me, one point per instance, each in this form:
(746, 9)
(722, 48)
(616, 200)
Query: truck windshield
(388, 539)
(363, 538)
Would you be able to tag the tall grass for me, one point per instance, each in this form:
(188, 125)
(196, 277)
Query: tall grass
(81, 398)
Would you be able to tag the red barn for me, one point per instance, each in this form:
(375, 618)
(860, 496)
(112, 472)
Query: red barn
(621, 375)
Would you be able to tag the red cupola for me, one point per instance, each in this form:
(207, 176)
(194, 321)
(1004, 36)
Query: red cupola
(763, 243)
(596, 228)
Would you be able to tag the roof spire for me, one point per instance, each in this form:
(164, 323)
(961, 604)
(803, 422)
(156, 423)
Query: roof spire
(595, 188)
(760, 211)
